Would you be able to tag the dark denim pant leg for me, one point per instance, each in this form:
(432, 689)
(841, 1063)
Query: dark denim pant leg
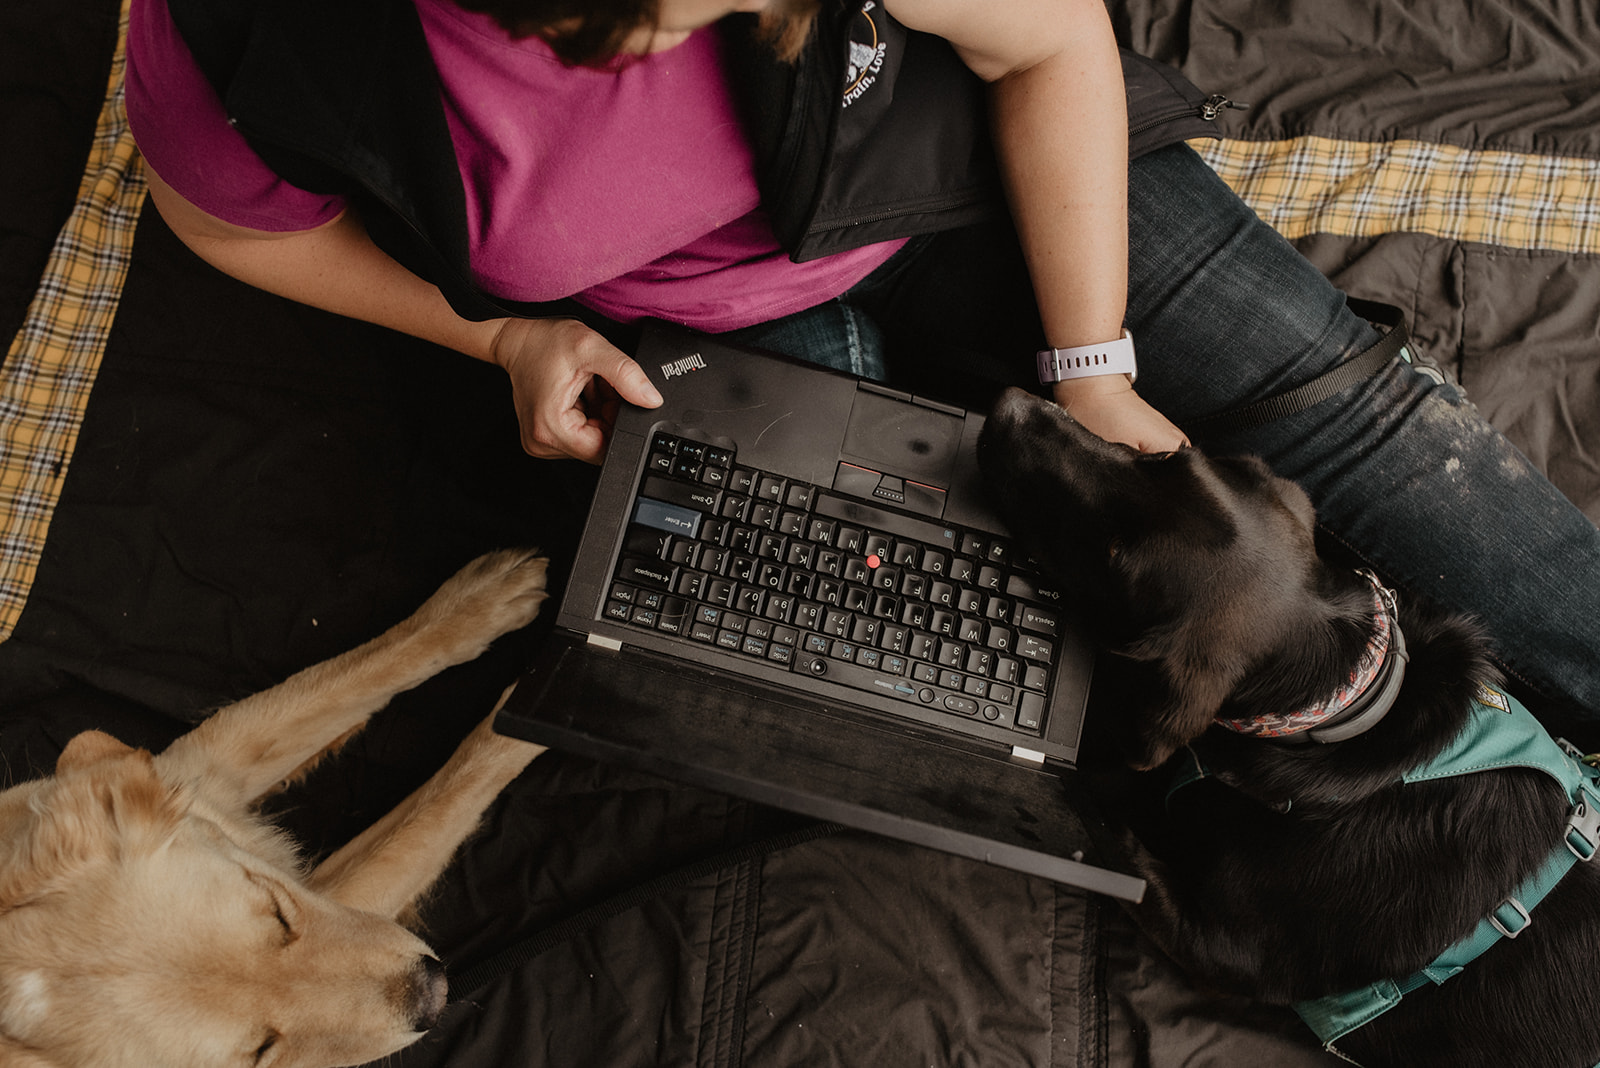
(1402, 470)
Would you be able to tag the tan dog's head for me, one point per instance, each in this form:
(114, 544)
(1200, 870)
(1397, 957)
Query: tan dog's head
(136, 928)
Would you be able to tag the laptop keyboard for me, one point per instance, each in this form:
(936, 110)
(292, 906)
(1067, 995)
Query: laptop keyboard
(762, 567)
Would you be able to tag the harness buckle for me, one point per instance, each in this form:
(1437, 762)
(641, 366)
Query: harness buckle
(1516, 918)
(1583, 826)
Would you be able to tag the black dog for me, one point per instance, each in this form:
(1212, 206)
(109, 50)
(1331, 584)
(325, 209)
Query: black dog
(1300, 869)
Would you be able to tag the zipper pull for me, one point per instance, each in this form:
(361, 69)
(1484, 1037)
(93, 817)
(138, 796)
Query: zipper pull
(1216, 104)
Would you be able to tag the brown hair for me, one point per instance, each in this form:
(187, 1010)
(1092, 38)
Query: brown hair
(592, 32)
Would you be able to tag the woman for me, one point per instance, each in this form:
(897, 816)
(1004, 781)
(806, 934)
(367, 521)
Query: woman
(656, 180)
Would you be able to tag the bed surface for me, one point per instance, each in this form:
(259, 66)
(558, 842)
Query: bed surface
(204, 488)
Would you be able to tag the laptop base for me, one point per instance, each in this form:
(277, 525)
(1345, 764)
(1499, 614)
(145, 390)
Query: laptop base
(876, 776)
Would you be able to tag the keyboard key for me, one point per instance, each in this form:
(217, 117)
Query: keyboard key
(1030, 712)
(1040, 620)
(1031, 588)
(894, 638)
(961, 705)
(664, 516)
(654, 574)
(1034, 648)
(682, 494)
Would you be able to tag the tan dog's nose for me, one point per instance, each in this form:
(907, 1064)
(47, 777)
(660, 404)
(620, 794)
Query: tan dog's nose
(428, 993)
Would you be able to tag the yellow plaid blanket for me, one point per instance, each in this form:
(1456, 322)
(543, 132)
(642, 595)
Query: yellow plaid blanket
(51, 363)
(1315, 185)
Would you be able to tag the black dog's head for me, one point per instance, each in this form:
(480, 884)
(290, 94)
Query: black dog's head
(1204, 571)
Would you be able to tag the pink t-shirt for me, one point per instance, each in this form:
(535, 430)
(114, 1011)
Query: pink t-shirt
(631, 189)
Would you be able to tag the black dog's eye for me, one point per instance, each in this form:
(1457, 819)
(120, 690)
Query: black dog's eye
(1114, 548)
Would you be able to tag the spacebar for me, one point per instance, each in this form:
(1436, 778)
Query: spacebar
(884, 522)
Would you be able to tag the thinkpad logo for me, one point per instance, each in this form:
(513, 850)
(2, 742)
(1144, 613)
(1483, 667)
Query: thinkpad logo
(867, 51)
(693, 362)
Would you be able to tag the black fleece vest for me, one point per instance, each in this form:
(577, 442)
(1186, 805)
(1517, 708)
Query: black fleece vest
(876, 132)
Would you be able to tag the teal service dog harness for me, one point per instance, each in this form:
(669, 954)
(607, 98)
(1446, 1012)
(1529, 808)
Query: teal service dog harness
(1500, 733)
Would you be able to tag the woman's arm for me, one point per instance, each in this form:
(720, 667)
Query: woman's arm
(564, 376)
(1059, 114)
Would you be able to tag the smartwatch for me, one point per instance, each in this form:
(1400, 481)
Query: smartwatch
(1085, 361)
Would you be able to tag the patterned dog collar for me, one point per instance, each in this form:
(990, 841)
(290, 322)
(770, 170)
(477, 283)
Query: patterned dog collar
(1361, 702)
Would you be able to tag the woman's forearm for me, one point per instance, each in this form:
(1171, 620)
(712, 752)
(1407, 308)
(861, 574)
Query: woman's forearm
(335, 267)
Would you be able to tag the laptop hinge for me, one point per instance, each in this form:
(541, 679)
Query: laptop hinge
(1031, 756)
(605, 643)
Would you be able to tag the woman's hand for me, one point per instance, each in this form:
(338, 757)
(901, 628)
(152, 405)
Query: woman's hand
(1108, 406)
(567, 382)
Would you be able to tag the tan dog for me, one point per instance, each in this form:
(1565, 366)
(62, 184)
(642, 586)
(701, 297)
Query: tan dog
(149, 918)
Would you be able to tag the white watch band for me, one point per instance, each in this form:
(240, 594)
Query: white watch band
(1084, 361)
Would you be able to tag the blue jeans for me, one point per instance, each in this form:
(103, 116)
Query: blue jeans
(1403, 470)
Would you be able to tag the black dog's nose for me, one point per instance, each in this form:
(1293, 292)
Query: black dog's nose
(428, 994)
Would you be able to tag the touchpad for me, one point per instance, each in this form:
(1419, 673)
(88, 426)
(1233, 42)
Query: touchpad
(897, 437)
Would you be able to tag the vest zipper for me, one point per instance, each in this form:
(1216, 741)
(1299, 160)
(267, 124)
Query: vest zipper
(1208, 109)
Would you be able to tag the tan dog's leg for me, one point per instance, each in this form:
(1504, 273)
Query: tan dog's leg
(392, 863)
(243, 750)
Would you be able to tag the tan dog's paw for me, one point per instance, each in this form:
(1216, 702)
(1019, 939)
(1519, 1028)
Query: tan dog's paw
(493, 595)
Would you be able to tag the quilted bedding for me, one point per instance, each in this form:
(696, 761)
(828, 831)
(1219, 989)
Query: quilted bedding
(203, 488)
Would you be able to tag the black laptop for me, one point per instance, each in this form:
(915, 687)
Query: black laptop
(792, 588)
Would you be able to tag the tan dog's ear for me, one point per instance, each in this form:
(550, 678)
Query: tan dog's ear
(105, 800)
(90, 747)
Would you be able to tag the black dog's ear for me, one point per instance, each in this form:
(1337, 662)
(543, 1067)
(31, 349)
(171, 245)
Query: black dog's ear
(1181, 700)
